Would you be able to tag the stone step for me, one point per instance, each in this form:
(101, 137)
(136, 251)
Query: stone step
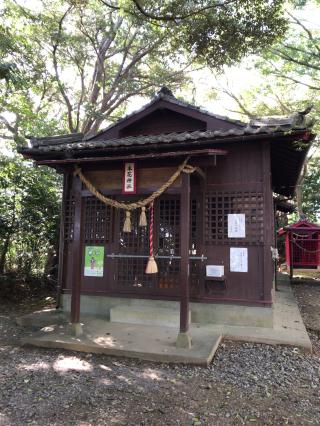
(146, 315)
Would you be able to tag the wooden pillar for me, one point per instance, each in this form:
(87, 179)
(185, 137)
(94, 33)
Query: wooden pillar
(268, 222)
(291, 256)
(61, 240)
(275, 245)
(184, 339)
(77, 257)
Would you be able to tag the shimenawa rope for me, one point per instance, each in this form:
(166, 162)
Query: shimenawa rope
(128, 207)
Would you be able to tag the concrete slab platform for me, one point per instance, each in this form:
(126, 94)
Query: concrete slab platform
(145, 342)
(158, 343)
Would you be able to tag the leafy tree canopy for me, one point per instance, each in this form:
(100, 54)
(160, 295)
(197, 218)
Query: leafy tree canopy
(73, 65)
(291, 82)
(217, 32)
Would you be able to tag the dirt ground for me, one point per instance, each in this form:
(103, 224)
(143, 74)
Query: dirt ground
(245, 384)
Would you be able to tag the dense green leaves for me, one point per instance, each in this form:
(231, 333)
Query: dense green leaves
(29, 215)
(311, 191)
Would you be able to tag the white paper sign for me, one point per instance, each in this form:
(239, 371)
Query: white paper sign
(129, 179)
(215, 270)
(236, 225)
(238, 259)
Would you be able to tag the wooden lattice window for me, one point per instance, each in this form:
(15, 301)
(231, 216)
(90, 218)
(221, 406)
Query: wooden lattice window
(169, 226)
(136, 241)
(97, 227)
(134, 246)
(193, 226)
(131, 274)
(69, 218)
(217, 207)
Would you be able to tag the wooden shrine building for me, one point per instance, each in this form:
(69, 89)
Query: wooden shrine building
(202, 188)
(302, 245)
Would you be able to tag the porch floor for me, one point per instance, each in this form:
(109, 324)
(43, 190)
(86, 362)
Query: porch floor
(157, 343)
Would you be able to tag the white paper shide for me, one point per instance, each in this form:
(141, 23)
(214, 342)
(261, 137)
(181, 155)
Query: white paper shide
(238, 259)
(236, 225)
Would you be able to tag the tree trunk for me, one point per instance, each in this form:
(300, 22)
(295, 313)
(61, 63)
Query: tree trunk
(4, 252)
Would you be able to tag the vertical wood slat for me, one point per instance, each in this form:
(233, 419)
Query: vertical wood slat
(184, 250)
(268, 219)
(76, 252)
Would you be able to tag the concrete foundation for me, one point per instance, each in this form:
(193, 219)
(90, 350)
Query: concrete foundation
(76, 329)
(165, 344)
(201, 313)
(146, 315)
(184, 340)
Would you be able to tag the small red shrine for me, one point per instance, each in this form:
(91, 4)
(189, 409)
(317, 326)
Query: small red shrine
(302, 242)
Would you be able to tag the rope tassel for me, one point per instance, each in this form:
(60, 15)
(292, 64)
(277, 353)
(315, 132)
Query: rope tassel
(152, 267)
(127, 222)
(143, 217)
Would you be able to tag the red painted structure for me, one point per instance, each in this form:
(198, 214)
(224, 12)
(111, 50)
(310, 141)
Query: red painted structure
(302, 242)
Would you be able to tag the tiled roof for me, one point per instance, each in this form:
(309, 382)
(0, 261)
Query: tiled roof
(173, 100)
(75, 142)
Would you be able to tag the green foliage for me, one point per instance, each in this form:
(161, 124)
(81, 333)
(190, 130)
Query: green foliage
(311, 191)
(212, 32)
(289, 82)
(29, 215)
(80, 62)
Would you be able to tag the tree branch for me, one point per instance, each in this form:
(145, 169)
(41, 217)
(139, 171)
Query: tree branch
(8, 125)
(287, 57)
(169, 17)
(55, 65)
(309, 33)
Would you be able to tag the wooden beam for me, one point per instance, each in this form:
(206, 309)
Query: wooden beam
(76, 256)
(154, 156)
(184, 339)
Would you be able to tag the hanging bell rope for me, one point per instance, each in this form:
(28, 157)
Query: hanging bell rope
(152, 267)
(128, 207)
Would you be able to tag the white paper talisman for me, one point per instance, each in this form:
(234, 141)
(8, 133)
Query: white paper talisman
(238, 259)
(236, 225)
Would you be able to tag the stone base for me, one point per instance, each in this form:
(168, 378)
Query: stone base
(201, 313)
(76, 329)
(184, 340)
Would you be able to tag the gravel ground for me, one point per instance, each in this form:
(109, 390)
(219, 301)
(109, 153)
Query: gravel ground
(246, 383)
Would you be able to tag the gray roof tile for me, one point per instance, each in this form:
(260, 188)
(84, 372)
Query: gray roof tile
(78, 144)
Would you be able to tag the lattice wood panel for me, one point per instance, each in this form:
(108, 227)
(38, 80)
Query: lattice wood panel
(69, 219)
(169, 226)
(136, 241)
(194, 226)
(131, 274)
(217, 207)
(97, 228)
